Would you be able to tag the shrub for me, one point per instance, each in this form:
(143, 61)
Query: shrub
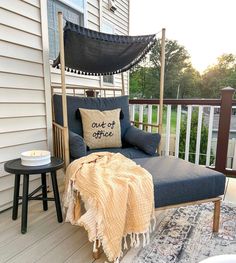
(193, 139)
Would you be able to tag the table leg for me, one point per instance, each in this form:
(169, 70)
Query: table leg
(56, 196)
(44, 191)
(16, 197)
(25, 204)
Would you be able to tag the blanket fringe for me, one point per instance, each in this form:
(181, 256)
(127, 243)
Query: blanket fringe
(144, 240)
(154, 223)
(125, 243)
(99, 242)
(131, 240)
(137, 241)
(148, 238)
(95, 246)
(134, 241)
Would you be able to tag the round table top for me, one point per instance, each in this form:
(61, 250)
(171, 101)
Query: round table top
(229, 258)
(15, 167)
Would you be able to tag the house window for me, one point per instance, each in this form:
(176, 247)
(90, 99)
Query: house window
(109, 29)
(72, 11)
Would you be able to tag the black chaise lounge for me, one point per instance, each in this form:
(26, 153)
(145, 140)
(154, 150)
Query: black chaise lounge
(87, 52)
(176, 182)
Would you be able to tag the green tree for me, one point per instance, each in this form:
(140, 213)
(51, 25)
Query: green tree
(177, 60)
(193, 139)
(190, 83)
(218, 76)
(180, 77)
(144, 83)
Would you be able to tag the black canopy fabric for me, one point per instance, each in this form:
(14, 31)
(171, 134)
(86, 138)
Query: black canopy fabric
(90, 52)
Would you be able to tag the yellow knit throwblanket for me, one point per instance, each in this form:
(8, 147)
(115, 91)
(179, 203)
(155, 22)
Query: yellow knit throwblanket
(118, 196)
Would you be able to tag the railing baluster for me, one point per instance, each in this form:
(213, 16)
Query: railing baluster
(157, 116)
(234, 156)
(132, 111)
(188, 130)
(230, 154)
(168, 119)
(199, 130)
(149, 117)
(211, 118)
(140, 119)
(177, 136)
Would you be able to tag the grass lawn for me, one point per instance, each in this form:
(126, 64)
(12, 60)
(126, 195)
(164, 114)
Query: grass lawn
(154, 118)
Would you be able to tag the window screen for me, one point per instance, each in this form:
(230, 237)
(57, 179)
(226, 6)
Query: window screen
(108, 79)
(108, 28)
(70, 14)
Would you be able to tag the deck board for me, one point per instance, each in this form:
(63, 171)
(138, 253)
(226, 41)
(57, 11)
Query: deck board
(66, 248)
(44, 245)
(50, 241)
(84, 254)
(21, 242)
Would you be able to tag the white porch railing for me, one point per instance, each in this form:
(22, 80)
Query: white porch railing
(177, 116)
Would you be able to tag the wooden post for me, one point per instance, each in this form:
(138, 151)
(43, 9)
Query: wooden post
(63, 86)
(224, 128)
(216, 217)
(162, 74)
(123, 83)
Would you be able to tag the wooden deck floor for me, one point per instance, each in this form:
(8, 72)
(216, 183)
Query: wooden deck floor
(48, 241)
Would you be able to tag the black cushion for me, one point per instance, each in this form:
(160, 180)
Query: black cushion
(177, 181)
(75, 102)
(146, 141)
(130, 152)
(77, 145)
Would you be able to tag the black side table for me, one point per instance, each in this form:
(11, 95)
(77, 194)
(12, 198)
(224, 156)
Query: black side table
(15, 167)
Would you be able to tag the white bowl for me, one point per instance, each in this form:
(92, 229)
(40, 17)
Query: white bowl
(35, 158)
(229, 258)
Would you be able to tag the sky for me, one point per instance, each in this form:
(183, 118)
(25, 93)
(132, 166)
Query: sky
(206, 28)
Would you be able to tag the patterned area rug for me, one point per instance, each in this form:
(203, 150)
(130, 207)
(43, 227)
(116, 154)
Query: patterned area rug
(184, 235)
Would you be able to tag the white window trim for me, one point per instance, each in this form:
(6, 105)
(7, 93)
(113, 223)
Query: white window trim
(74, 6)
(104, 21)
(85, 13)
(78, 8)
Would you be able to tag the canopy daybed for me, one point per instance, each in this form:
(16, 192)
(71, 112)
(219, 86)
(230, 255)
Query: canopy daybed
(87, 52)
(83, 51)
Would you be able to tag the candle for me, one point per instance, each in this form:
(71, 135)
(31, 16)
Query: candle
(35, 158)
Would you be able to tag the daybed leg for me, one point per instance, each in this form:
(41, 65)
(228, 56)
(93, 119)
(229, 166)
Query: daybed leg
(216, 219)
(96, 254)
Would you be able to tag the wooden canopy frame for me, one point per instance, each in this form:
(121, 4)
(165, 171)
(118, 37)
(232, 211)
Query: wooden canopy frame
(61, 133)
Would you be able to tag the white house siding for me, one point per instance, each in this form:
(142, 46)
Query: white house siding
(25, 115)
(120, 20)
(23, 111)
